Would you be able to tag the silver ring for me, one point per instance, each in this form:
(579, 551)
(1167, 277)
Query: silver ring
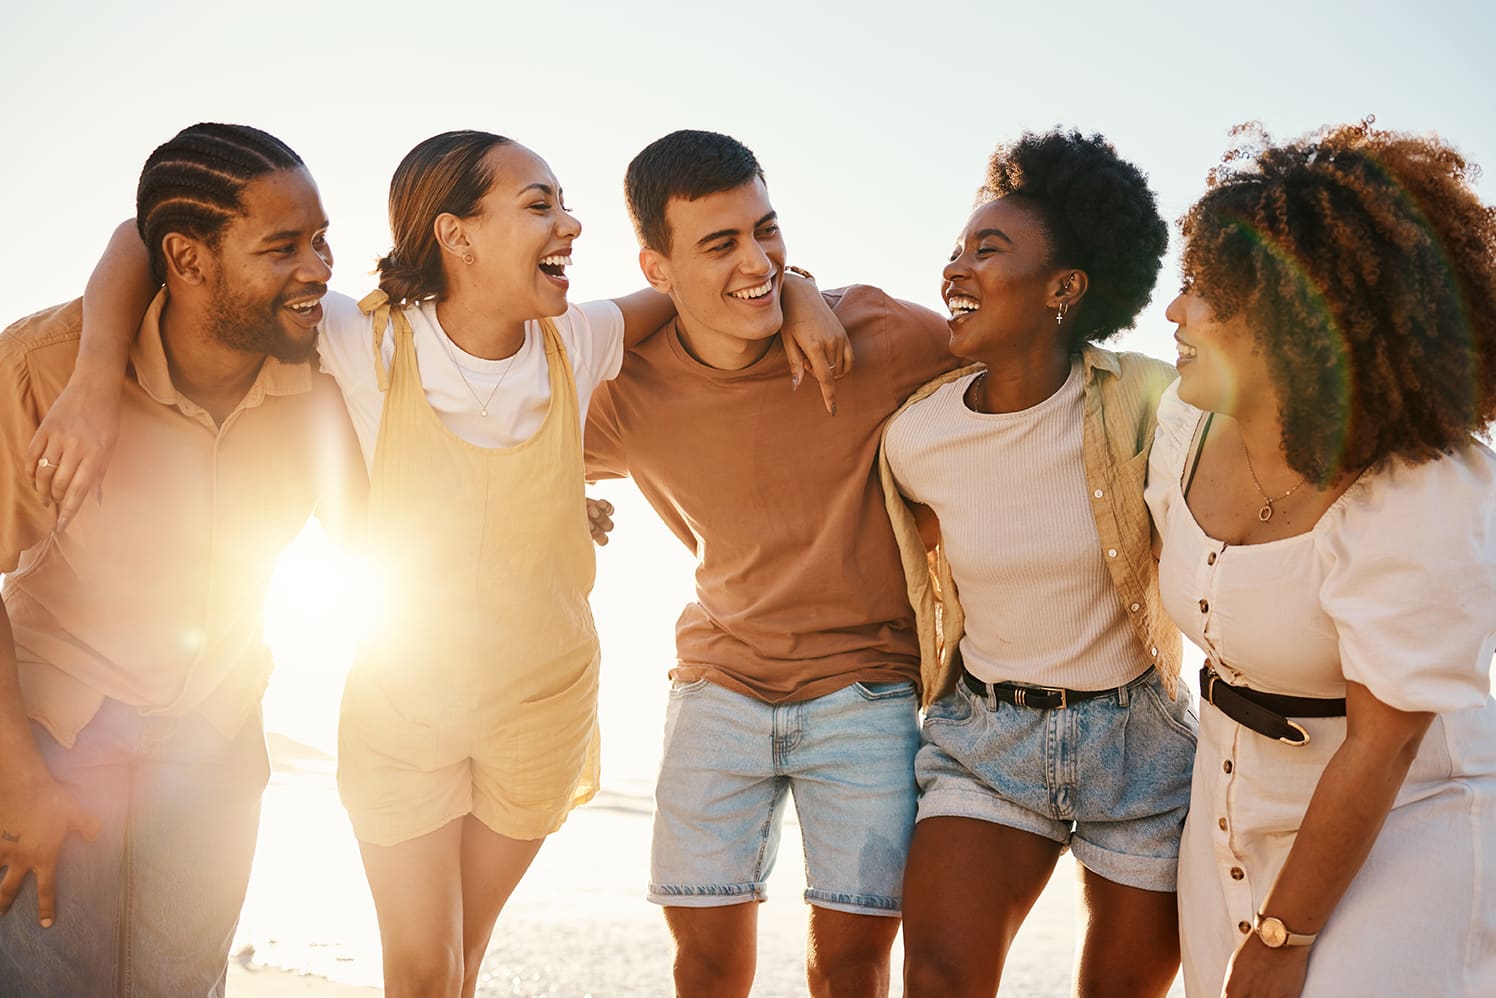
(44, 463)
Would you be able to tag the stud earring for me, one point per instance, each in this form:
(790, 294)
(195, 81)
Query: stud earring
(467, 258)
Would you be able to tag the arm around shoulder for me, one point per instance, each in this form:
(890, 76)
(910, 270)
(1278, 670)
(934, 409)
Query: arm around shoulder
(71, 449)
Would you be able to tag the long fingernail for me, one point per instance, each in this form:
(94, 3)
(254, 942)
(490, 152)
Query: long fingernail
(46, 923)
(833, 408)
(794, 382)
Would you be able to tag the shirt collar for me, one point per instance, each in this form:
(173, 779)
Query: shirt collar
(148, 358)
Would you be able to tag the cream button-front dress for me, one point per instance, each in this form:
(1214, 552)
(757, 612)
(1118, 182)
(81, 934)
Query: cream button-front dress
(476, 693)
(1393, 588)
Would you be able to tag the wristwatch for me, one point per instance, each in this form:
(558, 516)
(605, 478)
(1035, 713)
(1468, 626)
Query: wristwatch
(1275, 935)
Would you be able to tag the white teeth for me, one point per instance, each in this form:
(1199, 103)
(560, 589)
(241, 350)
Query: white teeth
(1185, 350)
(960, 305)
(303, 307)
(556, 261)
(748, 294)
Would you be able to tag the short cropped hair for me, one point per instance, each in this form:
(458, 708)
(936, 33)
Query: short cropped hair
(685, 164)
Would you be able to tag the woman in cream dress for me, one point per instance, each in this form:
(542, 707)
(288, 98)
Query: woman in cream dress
(1328, 522)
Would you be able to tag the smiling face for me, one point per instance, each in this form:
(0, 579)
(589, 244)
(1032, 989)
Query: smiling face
(1219, 363)
(1000, 284)
(272, 263)
(723, 270)
(519, 239)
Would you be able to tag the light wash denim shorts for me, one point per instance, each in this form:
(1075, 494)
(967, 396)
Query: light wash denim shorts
(1108, 778)
(729, 763)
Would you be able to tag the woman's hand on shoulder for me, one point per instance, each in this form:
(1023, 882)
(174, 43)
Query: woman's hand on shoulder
(71, 449)
(813, 337)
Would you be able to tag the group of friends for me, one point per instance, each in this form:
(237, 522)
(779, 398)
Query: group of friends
(938, 601)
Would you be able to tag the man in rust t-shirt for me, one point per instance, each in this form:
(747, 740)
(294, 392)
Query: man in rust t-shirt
(798, 662)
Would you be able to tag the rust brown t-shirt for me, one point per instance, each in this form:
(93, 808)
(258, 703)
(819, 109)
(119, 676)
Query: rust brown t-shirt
(799, 587)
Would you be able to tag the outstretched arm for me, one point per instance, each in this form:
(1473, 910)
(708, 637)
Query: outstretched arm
(71, 448)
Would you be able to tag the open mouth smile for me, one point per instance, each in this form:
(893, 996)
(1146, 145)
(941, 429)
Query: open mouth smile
(754, 293)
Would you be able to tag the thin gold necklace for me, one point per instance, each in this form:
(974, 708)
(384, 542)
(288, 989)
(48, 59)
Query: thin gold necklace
(1266, 512)
(482, 403)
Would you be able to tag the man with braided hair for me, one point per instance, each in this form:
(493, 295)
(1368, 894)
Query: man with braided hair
(132, 757)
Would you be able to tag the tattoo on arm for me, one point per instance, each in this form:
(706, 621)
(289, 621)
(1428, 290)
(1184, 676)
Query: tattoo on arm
(9, 837)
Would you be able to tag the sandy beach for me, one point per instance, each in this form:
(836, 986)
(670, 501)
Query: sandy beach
(577, 926)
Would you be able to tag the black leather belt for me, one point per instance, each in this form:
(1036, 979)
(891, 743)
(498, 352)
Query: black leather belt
(1039, 697)
(1265, 713)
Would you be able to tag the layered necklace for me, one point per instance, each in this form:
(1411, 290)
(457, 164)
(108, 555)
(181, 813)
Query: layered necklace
(482, 403)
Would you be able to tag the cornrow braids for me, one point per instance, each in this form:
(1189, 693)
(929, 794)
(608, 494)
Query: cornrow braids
(192, 183)
(1366, 268)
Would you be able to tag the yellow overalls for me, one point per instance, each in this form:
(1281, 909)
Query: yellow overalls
(476, 691)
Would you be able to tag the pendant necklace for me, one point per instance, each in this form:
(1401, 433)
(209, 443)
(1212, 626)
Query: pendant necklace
(482, 403)
(1266, 512)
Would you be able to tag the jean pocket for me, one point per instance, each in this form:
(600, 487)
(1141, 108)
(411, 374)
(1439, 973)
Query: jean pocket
(1178, 716)
(901, 690)
(953, 708)
(679, 689)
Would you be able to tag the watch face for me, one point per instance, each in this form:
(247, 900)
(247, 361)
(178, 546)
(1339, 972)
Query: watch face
(1272, 932)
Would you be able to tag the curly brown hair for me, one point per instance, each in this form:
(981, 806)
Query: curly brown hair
(1365, 266)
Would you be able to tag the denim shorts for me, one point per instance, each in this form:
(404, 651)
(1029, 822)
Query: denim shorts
(730, 761)
(1108, 778)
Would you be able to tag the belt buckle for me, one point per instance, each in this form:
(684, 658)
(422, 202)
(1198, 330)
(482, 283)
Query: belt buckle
(1210, 684)
(1021, 694)
(1300, 729)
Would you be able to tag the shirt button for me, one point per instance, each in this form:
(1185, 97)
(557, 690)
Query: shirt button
(1111, 552)
(1204, 606)
(1153, 652)
(1237, 873)
(1222, 823)
(1244, 928)
(1098, 494)
(1211, 558)
(1135, 607)
(1226, 765)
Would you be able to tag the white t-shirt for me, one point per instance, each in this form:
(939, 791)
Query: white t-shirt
(592, 334)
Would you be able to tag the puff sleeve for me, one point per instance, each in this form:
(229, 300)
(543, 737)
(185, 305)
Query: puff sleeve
(1410, 581)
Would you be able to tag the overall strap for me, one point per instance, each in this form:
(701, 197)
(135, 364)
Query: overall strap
(377, 304)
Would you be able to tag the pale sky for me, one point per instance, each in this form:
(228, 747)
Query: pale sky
(872, 119)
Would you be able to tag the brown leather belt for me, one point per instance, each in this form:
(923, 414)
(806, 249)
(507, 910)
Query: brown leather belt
(1265, 713)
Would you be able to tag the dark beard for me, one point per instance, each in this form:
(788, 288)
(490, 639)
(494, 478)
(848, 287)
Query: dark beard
(254, 327)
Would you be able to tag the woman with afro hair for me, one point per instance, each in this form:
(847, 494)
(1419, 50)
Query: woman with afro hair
(1055, 715)
(1328, 521)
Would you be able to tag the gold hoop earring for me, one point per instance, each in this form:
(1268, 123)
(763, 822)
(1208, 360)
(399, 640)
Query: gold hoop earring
(467, 258)
(1059, 316)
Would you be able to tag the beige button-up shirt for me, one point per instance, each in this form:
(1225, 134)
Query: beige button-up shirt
(154, 595)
